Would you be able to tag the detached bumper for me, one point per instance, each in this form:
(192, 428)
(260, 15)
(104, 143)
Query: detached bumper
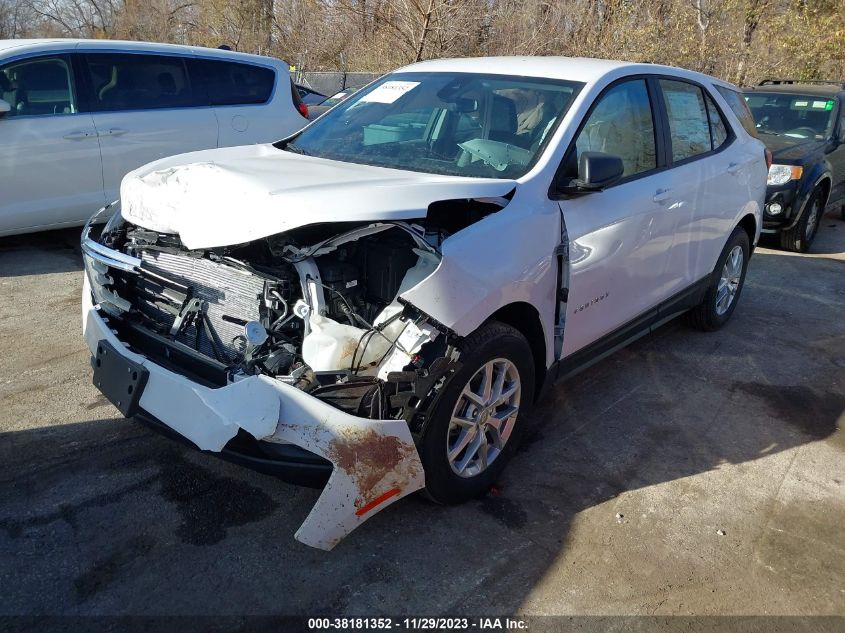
(375, 462)
(287, 462)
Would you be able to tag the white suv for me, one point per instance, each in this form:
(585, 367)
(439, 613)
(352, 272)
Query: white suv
(77, 115)
(378, 299)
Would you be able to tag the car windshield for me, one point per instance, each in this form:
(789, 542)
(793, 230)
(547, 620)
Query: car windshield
(462, 124)
(792, 115)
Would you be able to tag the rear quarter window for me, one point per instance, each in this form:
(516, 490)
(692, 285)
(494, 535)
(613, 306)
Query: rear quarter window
(736, 102)
(235, 83)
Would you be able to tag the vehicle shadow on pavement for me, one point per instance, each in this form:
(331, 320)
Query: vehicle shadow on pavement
(40, 253)
(650, 458)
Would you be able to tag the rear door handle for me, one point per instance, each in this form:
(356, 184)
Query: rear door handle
(79, 135)
(116, 131)
(662, 195)
(733, 167)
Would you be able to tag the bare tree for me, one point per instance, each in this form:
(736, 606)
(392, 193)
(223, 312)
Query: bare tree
(16, 19)
(753, 13)
(742, 40)
(81, 18)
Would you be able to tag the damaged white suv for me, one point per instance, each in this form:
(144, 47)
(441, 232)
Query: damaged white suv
(379, 298)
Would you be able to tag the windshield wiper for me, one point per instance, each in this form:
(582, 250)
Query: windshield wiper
(295, 149)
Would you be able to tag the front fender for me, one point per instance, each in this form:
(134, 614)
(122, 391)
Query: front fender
(507, 257)
(809, 182)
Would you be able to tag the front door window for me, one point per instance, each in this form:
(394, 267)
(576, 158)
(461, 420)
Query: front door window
(38, 87)
(621, 124)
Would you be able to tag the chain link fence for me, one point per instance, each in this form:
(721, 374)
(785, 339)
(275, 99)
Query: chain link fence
(329, 83)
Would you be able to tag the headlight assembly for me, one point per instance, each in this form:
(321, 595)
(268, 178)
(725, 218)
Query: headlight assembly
(782, 174)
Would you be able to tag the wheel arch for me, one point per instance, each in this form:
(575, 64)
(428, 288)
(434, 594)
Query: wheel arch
(819, 176)
(826, 184)
(525, 318)
(749, 225)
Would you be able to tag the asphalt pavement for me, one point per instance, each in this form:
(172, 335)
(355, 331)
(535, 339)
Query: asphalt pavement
(690, 473)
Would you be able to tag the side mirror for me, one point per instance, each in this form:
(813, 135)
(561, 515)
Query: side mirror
(836, 140)
(5, 108)
(596, 171)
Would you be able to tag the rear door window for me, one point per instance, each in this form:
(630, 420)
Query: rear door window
(138, 82)
(234, 83)
(689, 124)
(40, 86)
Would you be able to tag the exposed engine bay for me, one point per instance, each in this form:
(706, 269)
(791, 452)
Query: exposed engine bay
(317, 307)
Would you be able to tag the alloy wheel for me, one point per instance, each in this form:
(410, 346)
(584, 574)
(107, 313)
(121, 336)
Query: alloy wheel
(729, 281)
(483, 418)
(812, 221)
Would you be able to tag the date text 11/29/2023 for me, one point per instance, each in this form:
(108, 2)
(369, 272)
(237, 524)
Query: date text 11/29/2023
(417, 624)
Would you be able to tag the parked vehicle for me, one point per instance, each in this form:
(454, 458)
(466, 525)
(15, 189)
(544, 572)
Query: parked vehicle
(380, 297)
(803, 124)
(77, 115)
(310, 96)
(324, 106)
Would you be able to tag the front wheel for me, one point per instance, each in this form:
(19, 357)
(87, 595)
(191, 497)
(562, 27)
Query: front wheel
(478, 419)
(726, 284)
(800, 237)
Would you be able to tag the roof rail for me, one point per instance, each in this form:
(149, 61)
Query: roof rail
(819, 82)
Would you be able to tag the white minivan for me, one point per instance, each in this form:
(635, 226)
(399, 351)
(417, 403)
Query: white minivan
(77, 115)
(379, 298)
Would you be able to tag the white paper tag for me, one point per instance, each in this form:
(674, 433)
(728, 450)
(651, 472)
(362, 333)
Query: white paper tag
(389, 91)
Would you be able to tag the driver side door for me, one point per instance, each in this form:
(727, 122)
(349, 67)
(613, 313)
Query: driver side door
(619, 238)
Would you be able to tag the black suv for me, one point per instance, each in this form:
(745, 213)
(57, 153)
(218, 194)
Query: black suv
(803, 124)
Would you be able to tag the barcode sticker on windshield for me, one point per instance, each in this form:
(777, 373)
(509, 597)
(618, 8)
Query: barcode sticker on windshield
(389, 91)
(819, 104)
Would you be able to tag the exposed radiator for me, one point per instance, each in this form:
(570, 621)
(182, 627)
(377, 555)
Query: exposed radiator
(224, 291)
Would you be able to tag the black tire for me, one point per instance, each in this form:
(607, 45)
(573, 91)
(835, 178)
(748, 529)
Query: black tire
(706, 315)
(491, 341)
(800, 237)
(842, 212)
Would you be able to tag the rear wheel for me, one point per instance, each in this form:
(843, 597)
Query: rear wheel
(800, 237)
(478, 419)
(726, 284)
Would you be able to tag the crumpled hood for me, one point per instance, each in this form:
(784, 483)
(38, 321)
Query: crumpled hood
(229, 196)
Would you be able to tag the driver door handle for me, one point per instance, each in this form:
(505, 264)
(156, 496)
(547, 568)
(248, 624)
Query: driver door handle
(79, 135)
(116, 131)
(733, 167)
(662, 195)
